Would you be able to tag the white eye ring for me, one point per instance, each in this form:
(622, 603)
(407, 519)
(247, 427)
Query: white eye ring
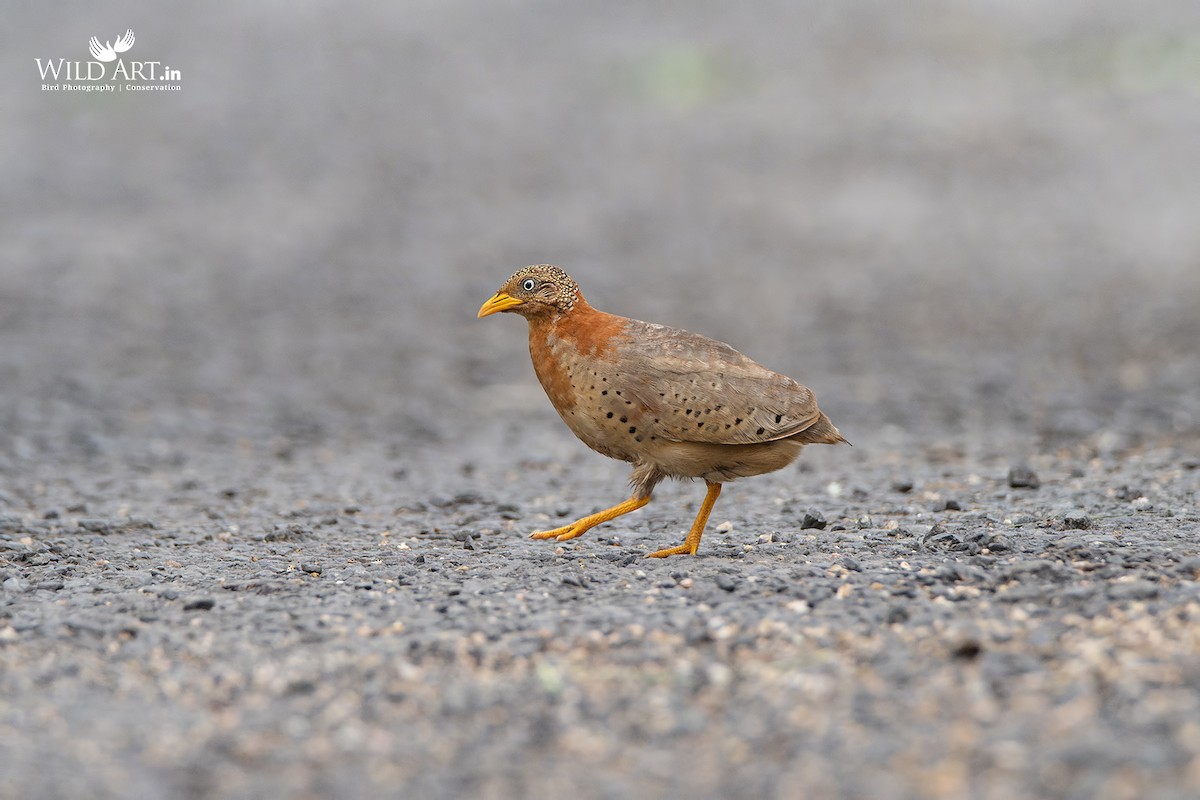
(529, 285)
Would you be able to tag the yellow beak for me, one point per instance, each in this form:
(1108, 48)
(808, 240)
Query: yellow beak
(499, 302)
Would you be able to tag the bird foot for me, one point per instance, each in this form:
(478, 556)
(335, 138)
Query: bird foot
(678, 550)
(581, 526)
(563, 534)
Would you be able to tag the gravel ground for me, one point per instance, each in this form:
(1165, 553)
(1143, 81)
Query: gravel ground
(265, 482)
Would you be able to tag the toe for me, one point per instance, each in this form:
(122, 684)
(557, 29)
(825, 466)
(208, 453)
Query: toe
(680, 550)
(569, 533)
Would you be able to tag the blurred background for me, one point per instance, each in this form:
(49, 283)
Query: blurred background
(969, 225)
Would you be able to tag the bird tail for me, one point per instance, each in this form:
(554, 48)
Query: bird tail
(821, 432)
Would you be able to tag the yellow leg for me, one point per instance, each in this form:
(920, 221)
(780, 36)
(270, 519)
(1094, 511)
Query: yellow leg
(582, 526)
(693, 538)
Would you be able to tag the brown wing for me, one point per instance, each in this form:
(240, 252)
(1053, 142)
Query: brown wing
(697, 389)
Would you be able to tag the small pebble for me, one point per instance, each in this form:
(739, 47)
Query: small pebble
(1078, 520)
(999, 544)
(813, 519)
(902, 485)
(938, 535)
(725, 527)
(200, 604)
(726, 582)
(967, 649)
(1022, 477)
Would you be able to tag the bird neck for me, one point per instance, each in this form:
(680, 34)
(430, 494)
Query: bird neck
(587, 330)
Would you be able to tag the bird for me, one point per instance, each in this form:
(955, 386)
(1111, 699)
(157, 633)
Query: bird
(674, 404)
(108, 52)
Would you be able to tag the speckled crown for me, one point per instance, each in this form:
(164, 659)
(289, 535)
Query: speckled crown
(568, 289)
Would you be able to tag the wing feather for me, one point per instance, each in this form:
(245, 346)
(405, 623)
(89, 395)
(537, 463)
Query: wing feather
(702, 390)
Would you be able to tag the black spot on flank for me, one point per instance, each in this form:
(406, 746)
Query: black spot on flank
(604, 392)
(656, 420)
(778, 418)
(652, 438)
(624, 419)
(632, 429)
(708, 411)
(699, 424)
(628, 402)
(688, 413)
(727, 426)
(637, 438)
(618, 392)
(760, 431)
(737, 421)
(609, 415)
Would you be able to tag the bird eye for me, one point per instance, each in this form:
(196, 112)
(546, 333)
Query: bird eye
(529, 285)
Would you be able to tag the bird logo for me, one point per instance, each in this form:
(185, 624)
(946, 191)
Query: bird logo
(108, 52)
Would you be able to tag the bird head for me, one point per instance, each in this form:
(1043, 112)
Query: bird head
(540, 290)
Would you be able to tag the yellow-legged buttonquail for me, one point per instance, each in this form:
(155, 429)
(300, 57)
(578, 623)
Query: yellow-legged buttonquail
(672, 403)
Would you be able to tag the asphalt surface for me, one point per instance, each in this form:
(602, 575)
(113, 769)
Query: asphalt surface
(265, 482)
